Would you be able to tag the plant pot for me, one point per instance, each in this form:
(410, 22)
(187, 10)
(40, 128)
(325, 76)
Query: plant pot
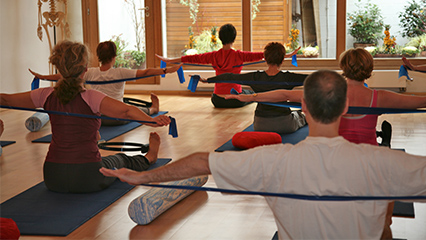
(303, 56)
(423, 54)
(386, 55)
(364, 45)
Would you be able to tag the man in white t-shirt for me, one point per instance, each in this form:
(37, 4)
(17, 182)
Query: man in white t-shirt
(322, 164)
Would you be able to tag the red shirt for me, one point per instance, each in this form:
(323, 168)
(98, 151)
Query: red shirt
(224, 61)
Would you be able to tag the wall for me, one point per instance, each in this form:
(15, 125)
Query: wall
(20, 47)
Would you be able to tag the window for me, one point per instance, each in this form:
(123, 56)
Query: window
(189, 26)
(388, 30)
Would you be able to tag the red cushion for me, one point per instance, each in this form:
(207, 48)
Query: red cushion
(8, 229)
(246, 140)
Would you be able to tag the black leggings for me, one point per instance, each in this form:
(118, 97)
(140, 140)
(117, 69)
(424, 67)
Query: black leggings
(220, 102)
(85, 177)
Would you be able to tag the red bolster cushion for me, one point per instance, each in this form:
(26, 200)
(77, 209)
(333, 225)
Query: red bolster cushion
(8, 229)
(246, 140)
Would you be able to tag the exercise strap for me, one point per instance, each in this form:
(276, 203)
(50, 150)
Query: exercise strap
(172, 125)
(351, 110)
(35, 84)
(289, 195)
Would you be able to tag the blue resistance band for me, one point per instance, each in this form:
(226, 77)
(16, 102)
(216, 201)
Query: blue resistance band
(357, 110)
(288, 195)
(172, 125)
(193, 82)
(351, 110)
(35, 84)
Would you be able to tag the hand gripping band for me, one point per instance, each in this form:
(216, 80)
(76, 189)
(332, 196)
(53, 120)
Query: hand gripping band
(137, 146)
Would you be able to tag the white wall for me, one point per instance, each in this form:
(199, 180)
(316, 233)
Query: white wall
(20, 47)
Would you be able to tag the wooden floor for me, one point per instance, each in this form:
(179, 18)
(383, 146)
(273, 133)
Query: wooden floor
(202, 215)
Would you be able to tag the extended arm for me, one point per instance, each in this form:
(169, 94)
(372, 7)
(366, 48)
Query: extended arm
(48, 77)
(168, 60)
(413, 67)
(17, 100)
(292, 53)
(388, 99)
(117, 109)
(196, 164)
(157, 71)
(271, 96)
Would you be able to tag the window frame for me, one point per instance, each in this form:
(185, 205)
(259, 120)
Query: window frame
(154, 31)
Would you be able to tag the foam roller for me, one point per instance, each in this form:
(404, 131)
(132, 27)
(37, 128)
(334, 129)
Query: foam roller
(36, 121)
(148, 206)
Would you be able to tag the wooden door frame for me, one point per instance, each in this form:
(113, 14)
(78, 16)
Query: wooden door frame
(152, 34)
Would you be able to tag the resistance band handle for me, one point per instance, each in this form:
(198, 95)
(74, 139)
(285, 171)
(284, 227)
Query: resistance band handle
(193, 83)
(163, 65)
(173, 127)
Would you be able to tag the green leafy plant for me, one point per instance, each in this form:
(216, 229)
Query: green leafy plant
(366, 23)
(409, 51)
(121, 44)
(418, 42)
(413, 19)
(127, 58)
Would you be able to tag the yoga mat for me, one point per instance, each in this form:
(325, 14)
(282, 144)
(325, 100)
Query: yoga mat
(38, 211)
(5, 143)
(107, 132)
(292, 138)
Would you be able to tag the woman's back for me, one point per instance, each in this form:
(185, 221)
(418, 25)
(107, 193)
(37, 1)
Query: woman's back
(360, 128)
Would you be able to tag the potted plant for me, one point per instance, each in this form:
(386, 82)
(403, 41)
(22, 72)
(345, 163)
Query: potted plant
(365, 24)
(419, 42)
(413, 19)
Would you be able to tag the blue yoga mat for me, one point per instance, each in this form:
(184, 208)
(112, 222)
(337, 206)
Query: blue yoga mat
(107, 132)
(5, 143)
(38, 211)
(292, 138)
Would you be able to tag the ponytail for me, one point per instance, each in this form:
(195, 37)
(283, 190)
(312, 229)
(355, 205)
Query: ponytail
(71, 59)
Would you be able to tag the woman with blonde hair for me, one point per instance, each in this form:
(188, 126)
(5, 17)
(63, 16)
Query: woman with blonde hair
(73, 161)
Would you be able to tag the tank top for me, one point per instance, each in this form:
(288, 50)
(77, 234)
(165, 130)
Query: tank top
(360, 129)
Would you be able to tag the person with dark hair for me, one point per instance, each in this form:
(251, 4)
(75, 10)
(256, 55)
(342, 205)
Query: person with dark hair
(107, 52)
(224, 60)
(73, 159)
(269, 118)
(324, 164)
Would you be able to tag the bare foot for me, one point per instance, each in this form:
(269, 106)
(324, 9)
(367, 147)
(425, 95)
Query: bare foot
(155, 104)
(154, 146)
